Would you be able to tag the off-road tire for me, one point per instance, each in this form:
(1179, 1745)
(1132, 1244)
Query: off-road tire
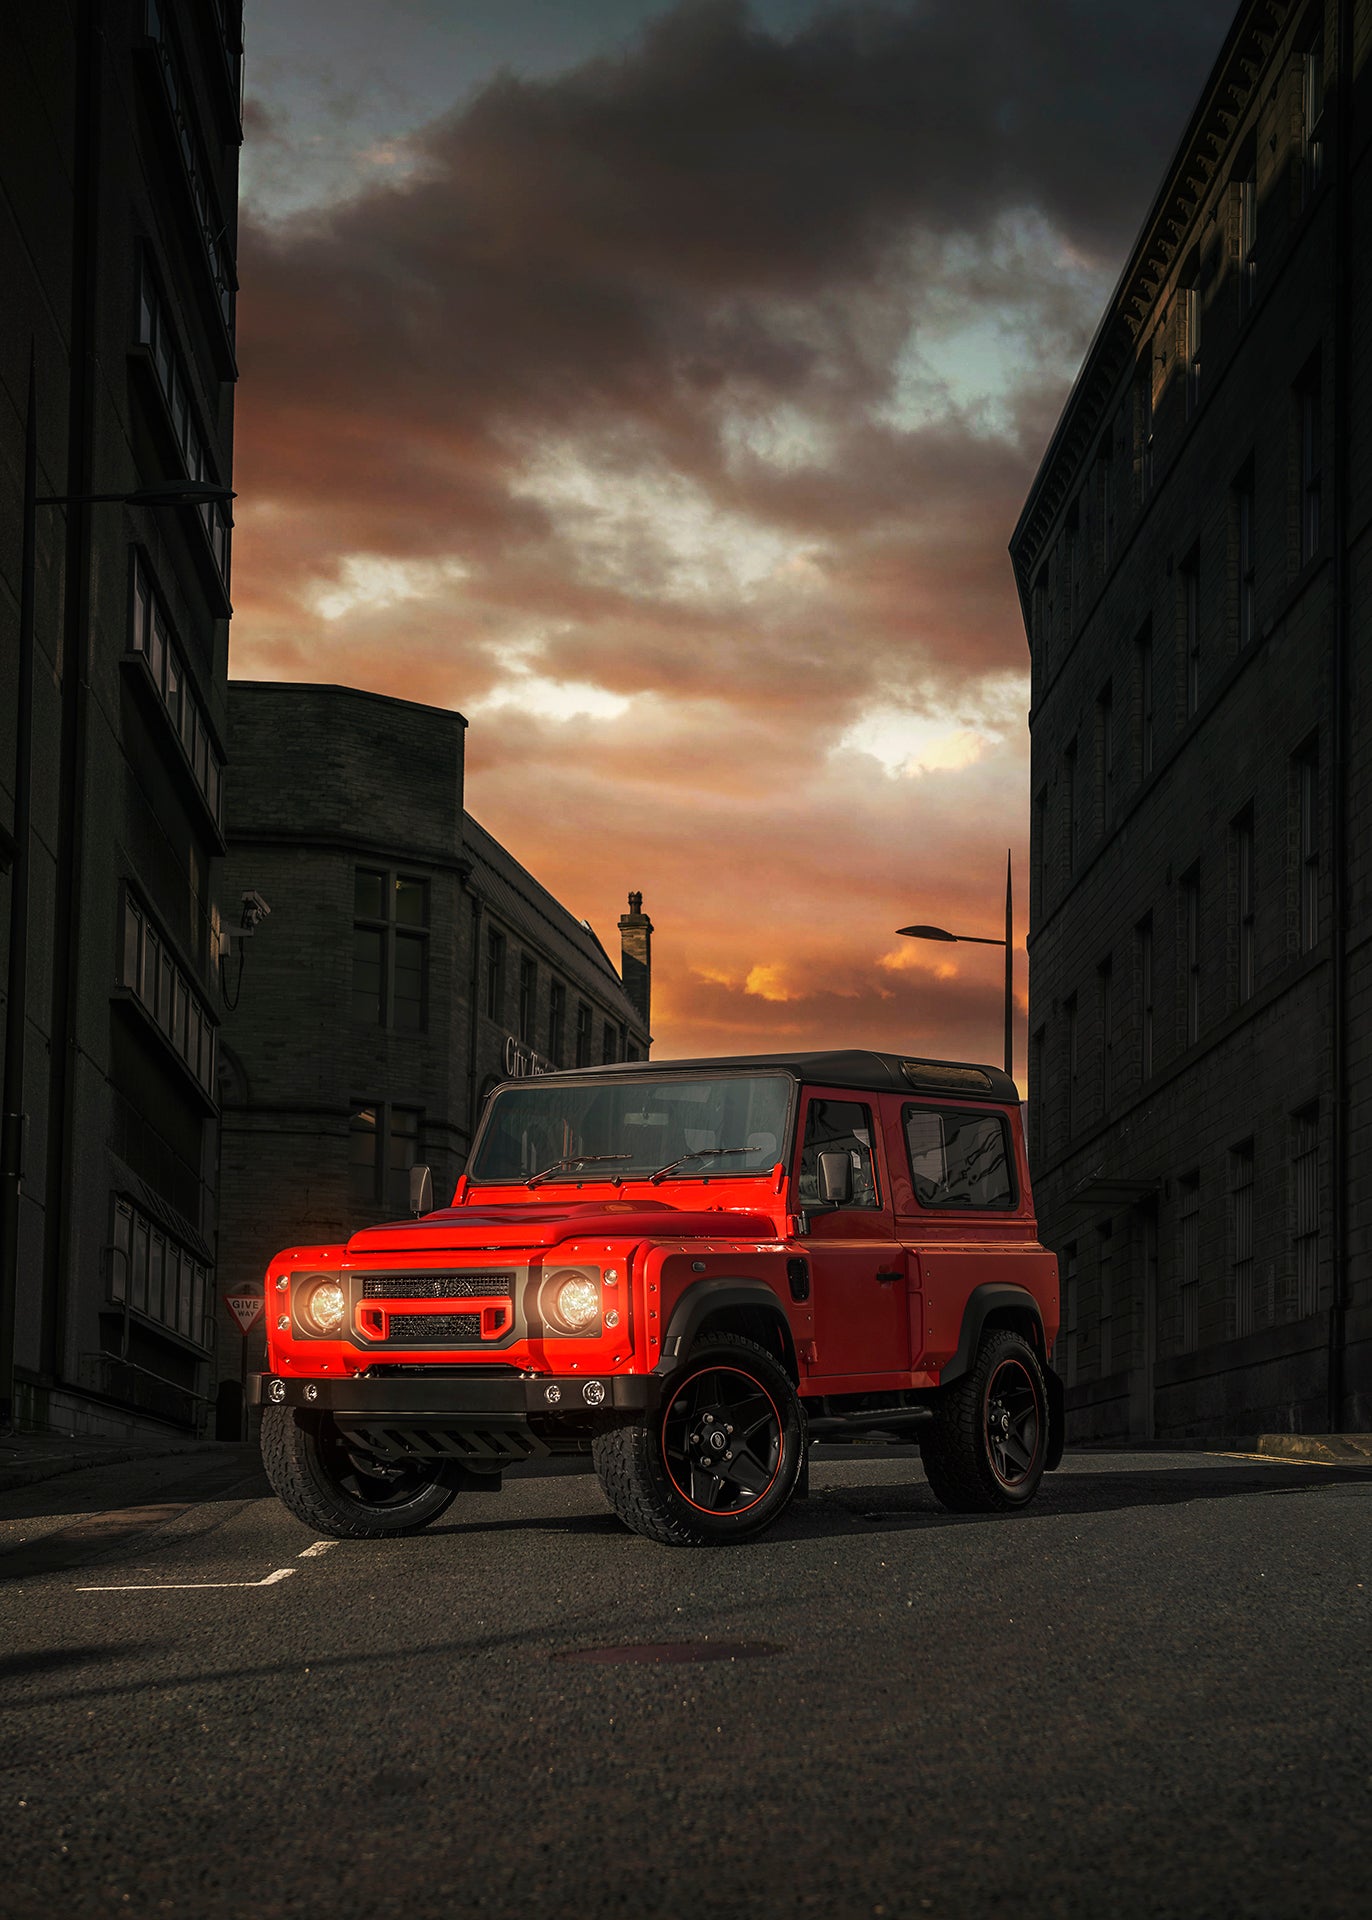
(635, 1467)
(960, 1449)
(312, 1474)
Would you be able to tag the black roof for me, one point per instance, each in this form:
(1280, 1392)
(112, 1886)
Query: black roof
(874, 1072)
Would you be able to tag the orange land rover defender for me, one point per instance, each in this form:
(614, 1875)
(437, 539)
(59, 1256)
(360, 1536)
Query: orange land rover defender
(688, 1271)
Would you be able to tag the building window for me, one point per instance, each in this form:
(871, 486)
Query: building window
(557, 1021)
(1069, 796)
(383, 1144)
(1105, 732)
(495, 975)
(214, 228)
(1067, 1331)
(155, 332)
(1245, 556)
(583, 1034)
(1143, 663)
(1191, 346)
(1244, 912)
(390, 949)
(1073, 1105)
(1072, 561)
(1105, 977)
(158, 1275)
(1188, 1214)
(150, 972)
(1143, 423)
(1040, 850)
(1191, 953)
(1311, 425)
(1144, 936)
(1312, 120)
(1037, 1053)
(1246, 235)
(1105, 468)
(1307, 780)
(1190, 627)
(1241, 1236)
(528, 995)
(1106, 1299)
(1305, 1207)
(609, 1051)
(151, 636)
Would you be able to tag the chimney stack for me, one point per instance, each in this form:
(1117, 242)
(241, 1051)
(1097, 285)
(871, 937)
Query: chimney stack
(636, 958)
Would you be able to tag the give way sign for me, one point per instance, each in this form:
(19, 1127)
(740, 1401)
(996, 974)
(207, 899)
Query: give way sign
(245, 1307)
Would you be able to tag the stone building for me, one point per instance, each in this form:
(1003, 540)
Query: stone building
(1195, 564)
(118, 205)
(408, 963)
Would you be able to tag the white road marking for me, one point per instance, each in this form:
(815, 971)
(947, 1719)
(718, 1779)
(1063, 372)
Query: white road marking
(189, 1586)
(320, 1546)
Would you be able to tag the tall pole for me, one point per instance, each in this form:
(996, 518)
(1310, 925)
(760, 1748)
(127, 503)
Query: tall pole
(16, 1005)
(1009, 966)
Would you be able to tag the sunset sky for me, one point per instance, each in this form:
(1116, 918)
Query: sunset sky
(658, 386)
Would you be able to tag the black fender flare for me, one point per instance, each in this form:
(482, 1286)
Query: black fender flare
(982, 1302)
(706, 1297)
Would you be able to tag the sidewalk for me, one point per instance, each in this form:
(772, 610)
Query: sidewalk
(26, 1458)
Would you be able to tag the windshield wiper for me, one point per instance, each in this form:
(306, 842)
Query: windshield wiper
(701, 1153)
(577, 1160)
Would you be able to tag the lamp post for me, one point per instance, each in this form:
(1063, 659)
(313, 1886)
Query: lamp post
(169, 493)
(980, 940)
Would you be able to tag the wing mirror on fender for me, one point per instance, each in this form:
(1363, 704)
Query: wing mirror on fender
(421, 1190)
(835, 1170)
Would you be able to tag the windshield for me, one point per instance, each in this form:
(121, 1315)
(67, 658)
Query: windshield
(625, 1129)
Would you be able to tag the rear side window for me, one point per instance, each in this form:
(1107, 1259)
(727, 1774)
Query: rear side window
(958, 1158)
(834, 1125)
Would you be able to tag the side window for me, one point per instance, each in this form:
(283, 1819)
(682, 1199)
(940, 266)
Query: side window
(959, 1159)
(832, 1125)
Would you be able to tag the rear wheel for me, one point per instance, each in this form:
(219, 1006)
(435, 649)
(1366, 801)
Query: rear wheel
(338, 1490)
(987, 1446)
(719, 1459)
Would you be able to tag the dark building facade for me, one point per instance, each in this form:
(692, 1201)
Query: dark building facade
(407, 965)
(119, 146)
(1195, 564)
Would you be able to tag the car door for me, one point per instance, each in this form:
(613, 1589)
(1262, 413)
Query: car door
(857, 1266)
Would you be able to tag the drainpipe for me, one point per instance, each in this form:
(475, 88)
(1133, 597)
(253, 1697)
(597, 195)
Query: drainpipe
(1338, 773)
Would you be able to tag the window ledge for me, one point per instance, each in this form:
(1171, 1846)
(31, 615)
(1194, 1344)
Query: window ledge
(134, 1009)
(135, 665)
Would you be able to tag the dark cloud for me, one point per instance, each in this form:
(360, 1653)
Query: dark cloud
(710, 376)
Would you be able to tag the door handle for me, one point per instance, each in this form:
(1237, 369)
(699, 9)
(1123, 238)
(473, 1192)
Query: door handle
(886, 1278)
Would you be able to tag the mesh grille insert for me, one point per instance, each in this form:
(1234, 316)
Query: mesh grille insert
(436, 1286)
(429, 1328)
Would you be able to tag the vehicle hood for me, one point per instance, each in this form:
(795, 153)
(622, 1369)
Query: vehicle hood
(452, 1229)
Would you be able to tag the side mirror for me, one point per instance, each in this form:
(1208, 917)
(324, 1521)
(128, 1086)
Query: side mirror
(421, 1191)
(835, 1168)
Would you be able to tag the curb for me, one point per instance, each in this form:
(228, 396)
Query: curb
(1333, 1449)
(18, 1474)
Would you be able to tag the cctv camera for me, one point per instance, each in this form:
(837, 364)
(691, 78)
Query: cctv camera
(255, 907)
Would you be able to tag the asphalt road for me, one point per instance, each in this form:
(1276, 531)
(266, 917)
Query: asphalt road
(1151, 1694)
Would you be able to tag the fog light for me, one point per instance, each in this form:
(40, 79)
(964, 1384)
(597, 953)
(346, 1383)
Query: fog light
(322, 1307)
(593, 1393)
(276, 1390)
(311, 1393)
(552, 1395)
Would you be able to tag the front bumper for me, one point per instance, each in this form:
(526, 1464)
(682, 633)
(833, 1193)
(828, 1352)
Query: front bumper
(450, 1397)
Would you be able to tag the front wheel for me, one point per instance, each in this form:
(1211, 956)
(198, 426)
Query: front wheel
(719, 1459)
(338, 1491)
(987, 1446)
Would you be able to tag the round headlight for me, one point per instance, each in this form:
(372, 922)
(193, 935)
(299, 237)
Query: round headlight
(322, 1307)
(571, 1300)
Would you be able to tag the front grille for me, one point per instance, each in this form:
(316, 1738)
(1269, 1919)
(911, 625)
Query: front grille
(437, 1286)
(430, 1328)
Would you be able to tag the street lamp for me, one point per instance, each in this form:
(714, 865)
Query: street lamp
(166, 493)
(980, 940)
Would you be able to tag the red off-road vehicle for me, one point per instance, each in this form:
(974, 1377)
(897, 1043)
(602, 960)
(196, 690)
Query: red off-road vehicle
(689, 1271)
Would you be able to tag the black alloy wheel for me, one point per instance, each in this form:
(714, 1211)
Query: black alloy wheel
(721, 1440)
(340, 1491)
(1013, 1421)
(986, 1448)
(719, 1460)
